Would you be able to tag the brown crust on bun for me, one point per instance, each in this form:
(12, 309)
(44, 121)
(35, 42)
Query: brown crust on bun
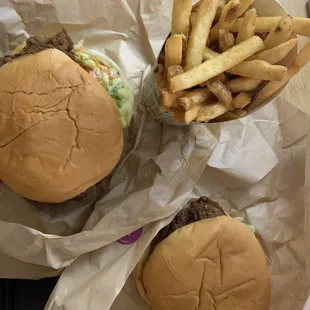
(60, 131)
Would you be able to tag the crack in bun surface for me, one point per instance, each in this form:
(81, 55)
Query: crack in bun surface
(60, 131)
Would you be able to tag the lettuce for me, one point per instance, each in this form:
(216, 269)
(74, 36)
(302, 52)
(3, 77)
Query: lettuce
(110, 76)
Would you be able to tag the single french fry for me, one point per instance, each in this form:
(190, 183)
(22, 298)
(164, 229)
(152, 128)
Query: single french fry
(173, 71)
(242, 100)
(227, 18)
(276, 54)
(209, 54)
(254, 69)
(243, 85)
(272, 87)
(180, 16)
(191, 114)
(200, 33)
(194, 98)
(247, 28)
(217, 65)
(301, 25)
(260, 70)
(220, 91)
(173, 51)
(168, 99)
(226, 40)
(281, 33)
(210, 112)
(220, 9)
(244, 5)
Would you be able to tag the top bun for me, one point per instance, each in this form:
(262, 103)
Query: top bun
(60, 131)
(212, 264)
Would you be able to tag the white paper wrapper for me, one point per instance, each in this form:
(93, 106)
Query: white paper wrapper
(254, 166)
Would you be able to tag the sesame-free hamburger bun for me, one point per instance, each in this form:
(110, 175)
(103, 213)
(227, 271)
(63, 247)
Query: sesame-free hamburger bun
(60, 130)
(212, 264)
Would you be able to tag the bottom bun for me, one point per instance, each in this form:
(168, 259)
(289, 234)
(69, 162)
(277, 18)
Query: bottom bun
(215, 264)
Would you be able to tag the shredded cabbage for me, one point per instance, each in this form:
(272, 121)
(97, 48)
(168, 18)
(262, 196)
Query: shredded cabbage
(110, 76)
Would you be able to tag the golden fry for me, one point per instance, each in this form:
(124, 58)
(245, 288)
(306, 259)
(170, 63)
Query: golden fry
(191, 114)
(247, 28)
(243, 85)
(200, 33)
(301, 25)
(272, 87)
(209, 54)
(276, 54)
(242, 100)
(215, 66)
(227, 19)
(281, 33)
(210, 112)
(194, 98)
(168, 99)
(180, 16)
(226, 40)
(173, 51)
(221, 92)
(260, 70)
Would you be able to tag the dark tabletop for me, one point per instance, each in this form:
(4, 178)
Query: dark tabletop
(25, 294)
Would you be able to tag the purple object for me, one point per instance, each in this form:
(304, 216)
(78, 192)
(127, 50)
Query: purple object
(131, 238)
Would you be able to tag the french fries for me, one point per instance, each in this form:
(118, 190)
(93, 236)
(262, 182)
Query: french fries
(260, 70)
(301, 25)
(226, 40)
(247, 27)
(192, 114)
(281, 33)
(210, 112)
(194, 98)
(272, 87)
(173, 51)
(221, 92)
(215, 66)
(242, 100)
(223, 61)
(200, 32)
(180, 16)
(227, 18)
(276, 54)
(168, 98)
(240, 85)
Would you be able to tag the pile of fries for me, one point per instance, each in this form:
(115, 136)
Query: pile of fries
(222, 60)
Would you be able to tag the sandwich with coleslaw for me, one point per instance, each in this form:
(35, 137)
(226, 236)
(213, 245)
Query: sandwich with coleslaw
(62, 113)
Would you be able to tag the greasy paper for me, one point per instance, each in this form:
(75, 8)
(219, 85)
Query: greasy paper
(254, 166)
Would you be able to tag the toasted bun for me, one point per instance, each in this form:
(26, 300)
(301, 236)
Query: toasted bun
(60, 131)
(212, 264)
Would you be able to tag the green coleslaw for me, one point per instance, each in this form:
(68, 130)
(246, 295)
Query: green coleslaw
(110, 76)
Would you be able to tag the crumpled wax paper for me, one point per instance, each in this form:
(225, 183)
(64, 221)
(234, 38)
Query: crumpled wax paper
(254, 167)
